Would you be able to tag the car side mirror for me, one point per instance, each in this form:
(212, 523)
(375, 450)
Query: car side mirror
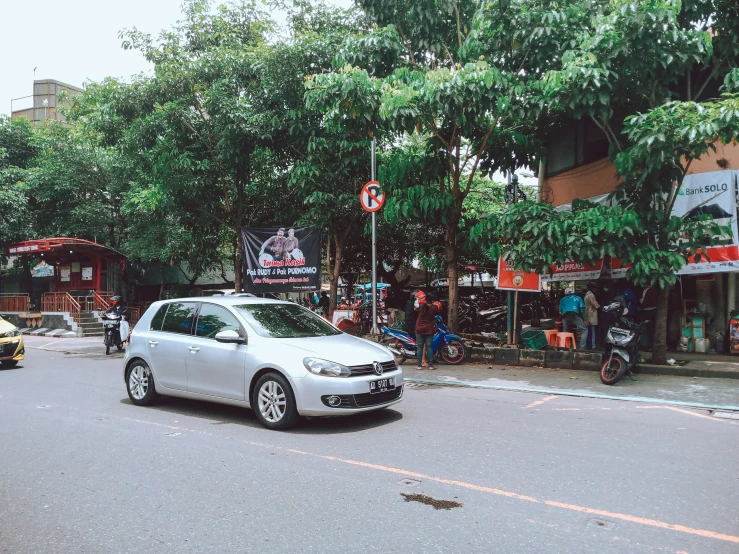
(230, 337)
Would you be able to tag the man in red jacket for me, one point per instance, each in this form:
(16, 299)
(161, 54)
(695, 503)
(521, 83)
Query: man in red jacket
(425, 329)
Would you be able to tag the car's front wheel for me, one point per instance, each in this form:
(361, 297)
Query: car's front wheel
(140, 384)
(9, 363)
(273, 402)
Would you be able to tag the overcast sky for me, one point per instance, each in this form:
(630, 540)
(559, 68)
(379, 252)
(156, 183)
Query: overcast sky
(75, 41)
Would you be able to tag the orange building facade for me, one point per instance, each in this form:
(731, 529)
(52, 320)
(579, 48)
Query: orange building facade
(715, 293)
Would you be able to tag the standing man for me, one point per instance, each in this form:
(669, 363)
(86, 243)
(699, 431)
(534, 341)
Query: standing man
(425, 329)
(571, 307)
(591, 309)
(291, 243)
(275, 246)
(324, 304)
(409, 323)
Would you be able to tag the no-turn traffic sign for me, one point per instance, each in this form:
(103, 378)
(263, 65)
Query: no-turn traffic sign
(371, 197)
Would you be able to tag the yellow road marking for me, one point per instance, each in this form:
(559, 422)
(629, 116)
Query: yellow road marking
(498, 492)
(539, 402)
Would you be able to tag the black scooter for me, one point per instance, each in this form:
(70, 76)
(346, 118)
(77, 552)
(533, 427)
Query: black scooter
(112, 324)
(622, 343)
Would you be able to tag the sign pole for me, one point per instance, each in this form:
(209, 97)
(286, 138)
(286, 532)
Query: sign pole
(375, 331)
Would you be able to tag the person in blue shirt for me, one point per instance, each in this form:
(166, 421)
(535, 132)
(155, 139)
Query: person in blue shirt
(571, 307)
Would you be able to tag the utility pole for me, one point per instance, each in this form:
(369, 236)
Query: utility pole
(375, 330)
(511, 197)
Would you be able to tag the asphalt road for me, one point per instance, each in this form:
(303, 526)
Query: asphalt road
(83, 470)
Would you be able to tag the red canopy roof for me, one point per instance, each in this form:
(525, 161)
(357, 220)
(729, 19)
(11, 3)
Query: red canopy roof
(60, 247)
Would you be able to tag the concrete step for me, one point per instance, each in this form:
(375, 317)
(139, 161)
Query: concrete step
(93, 334)
(91, 325)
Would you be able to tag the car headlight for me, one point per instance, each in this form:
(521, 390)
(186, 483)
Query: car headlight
(13, 333)
(324, 367)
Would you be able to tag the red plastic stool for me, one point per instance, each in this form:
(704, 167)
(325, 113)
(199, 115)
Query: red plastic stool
(564, 338)
(551, 335)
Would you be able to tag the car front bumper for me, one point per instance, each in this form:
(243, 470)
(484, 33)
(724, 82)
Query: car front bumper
(314, 393)
(12, 348)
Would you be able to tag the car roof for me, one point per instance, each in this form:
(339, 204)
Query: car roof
(227, 300)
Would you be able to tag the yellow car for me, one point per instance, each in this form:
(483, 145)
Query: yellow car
(12, 350)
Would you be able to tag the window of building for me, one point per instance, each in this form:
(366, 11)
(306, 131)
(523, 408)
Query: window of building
(580, 143)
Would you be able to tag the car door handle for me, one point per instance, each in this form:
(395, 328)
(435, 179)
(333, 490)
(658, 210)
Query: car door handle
(153, 343)
(194, 349)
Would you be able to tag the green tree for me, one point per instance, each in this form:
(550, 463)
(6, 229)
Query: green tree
(454, 85)
(641, 229)
(623, 70)
(17, 151)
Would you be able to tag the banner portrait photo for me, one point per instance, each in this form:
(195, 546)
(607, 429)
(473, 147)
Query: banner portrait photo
(282, 259)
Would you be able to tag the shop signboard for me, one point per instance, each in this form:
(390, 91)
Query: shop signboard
(615, 268)
(573, 271)
(509, 278)
(43, 270)
(284, 259)
(711, 194)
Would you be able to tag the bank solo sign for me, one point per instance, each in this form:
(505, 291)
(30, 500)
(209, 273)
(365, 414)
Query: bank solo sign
(510, 278)
(282, 259)
(711, 194)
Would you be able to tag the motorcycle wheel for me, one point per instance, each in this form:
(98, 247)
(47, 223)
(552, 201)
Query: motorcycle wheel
(613, 370)
(453, 353)
(395, 344)
(107, 348)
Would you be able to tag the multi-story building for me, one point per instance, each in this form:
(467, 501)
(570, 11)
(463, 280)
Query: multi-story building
(43, 104)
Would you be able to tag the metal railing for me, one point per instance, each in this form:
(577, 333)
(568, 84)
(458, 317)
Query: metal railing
(102, 300)
(15, 303)
(61, 302)
(135, 312)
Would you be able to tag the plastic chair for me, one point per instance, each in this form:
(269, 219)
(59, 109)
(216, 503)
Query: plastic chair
(551, 335)
(564, 338)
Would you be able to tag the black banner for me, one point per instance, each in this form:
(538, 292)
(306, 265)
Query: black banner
(284, 259)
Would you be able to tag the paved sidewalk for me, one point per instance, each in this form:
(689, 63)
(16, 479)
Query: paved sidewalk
(709, 393)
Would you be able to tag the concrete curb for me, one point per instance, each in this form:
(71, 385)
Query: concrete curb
(583, 360)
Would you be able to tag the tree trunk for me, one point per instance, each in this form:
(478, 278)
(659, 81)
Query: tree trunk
(238, 264)
(659, 351)
(333, 277)
(452, 274)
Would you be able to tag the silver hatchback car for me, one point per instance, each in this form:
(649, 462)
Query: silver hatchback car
(276, 357)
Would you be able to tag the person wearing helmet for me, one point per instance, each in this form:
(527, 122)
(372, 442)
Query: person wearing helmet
(571, 307)
(118, 307)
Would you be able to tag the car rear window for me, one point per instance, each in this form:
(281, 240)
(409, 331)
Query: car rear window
(156, 321)
(285, 321)
(179, 318)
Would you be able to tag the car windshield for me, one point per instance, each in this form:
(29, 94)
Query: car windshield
(285, 321)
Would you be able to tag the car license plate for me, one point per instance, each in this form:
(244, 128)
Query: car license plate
(382, 385)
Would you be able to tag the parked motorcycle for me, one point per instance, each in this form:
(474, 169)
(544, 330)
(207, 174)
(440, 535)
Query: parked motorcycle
(112, 325)
(622, 343)
(445, 345)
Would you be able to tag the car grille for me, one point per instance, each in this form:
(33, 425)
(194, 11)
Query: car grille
(8, 349)
(365, 400)
(369, 399)
(368, 369)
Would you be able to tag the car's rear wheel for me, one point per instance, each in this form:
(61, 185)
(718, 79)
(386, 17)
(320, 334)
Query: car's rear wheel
(140, 384)
(9, 363)
(273, 402)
